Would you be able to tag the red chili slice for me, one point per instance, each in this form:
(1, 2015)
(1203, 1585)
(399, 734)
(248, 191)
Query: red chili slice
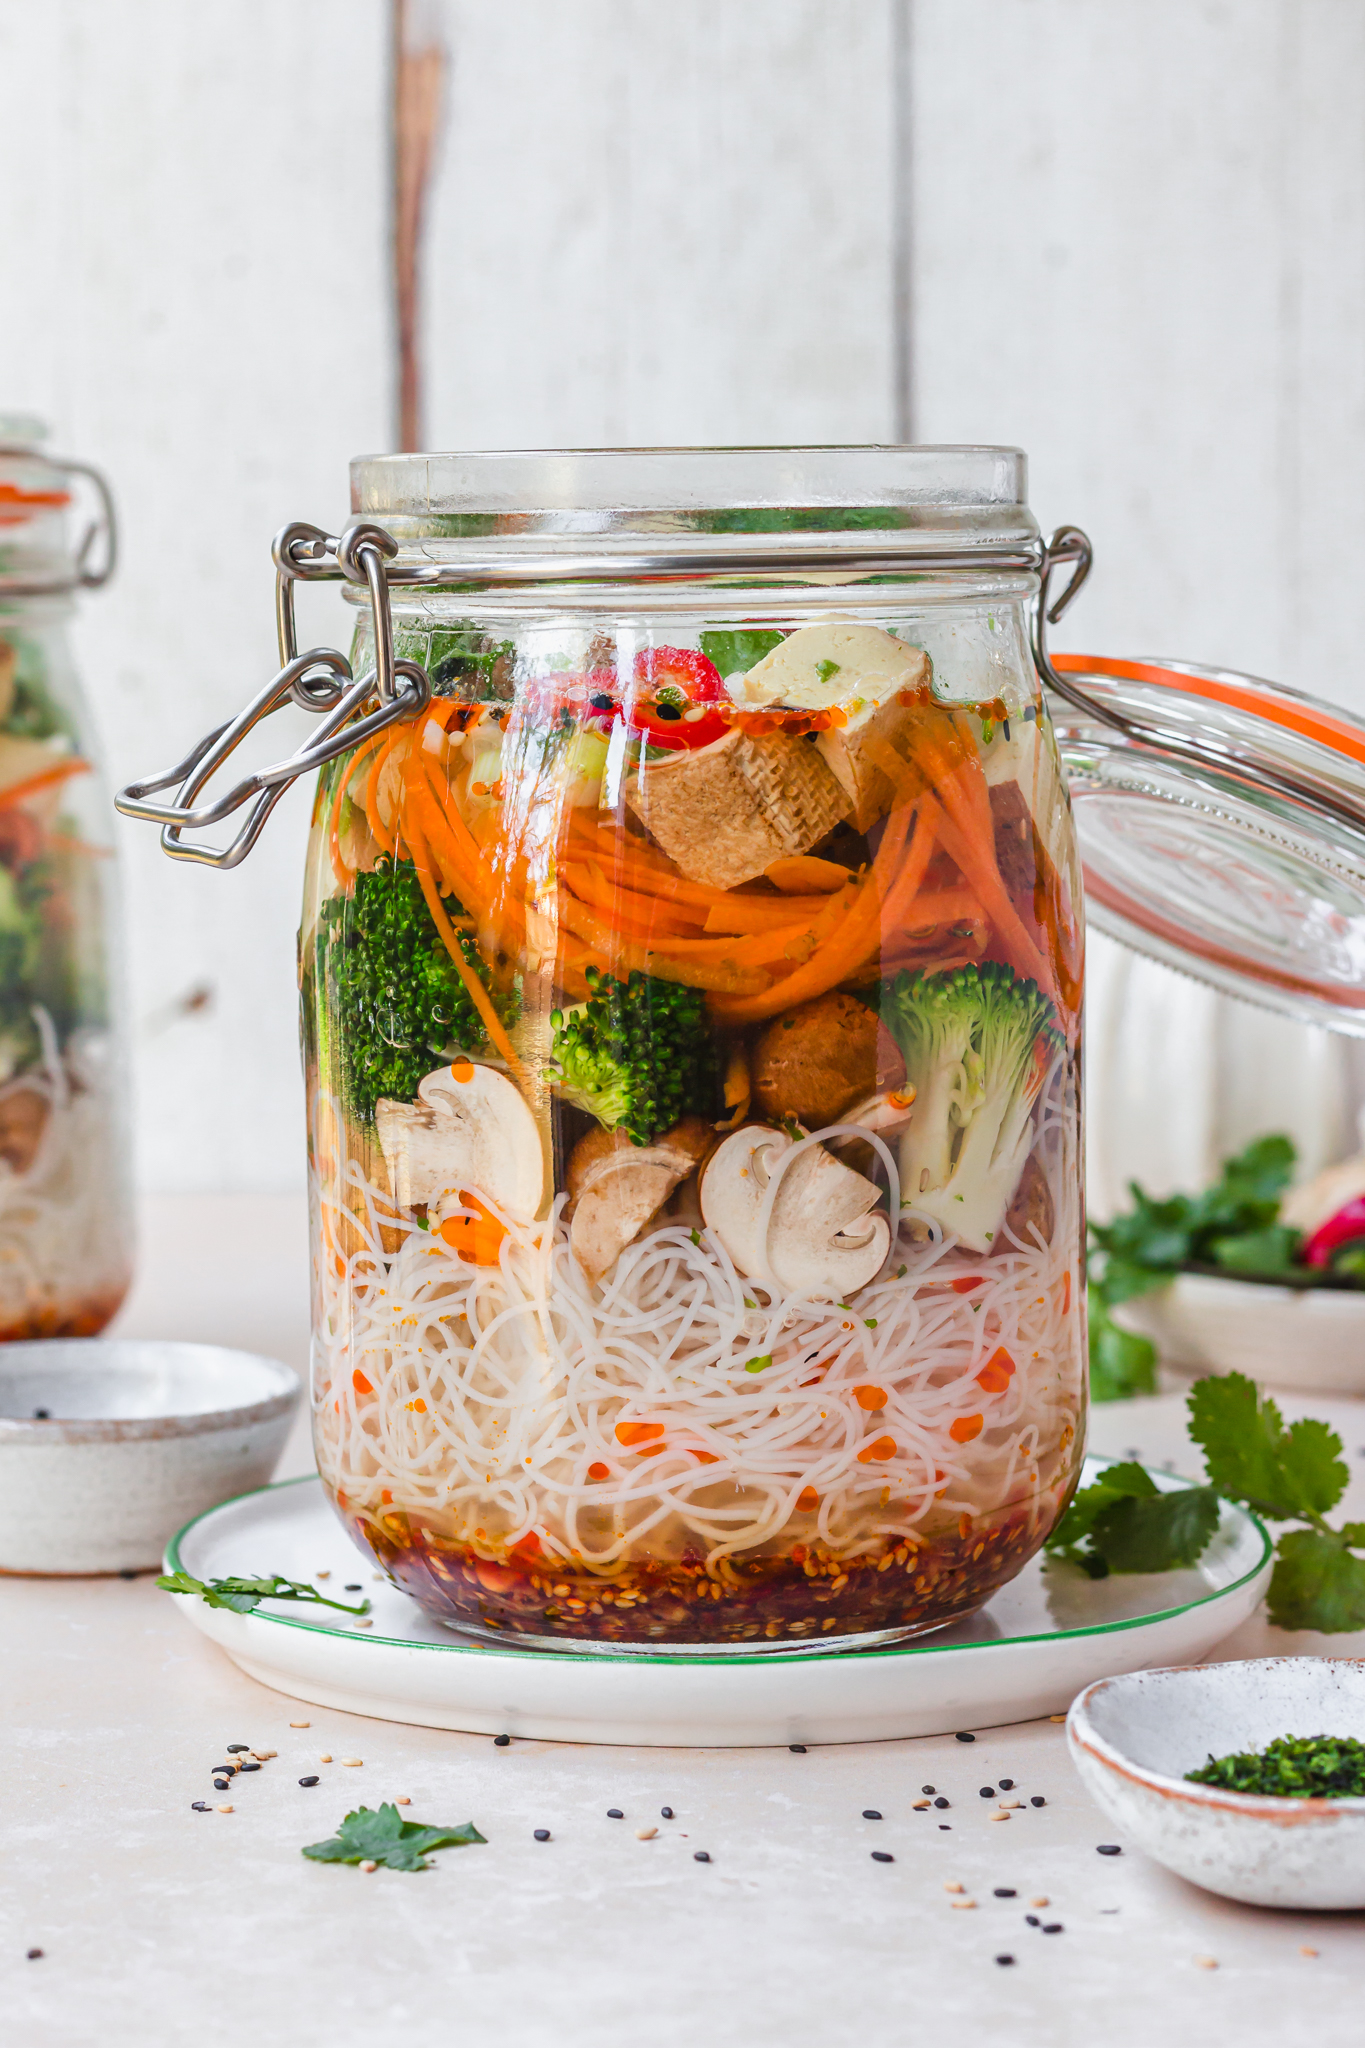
(673, 684)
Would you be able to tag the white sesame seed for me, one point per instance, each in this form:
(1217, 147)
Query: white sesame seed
(1040, 1902)
(300, 1724)
(402, 1800)
(645, 1834)
(225, 1809)
(364, 1624)
(963, 1905)
(1206, 1962)
(324, 1758)
(952, 1885)
(997, 1816)
(1305, 1951)
(352, 1763)
(1011, 1804)
(322, 1575)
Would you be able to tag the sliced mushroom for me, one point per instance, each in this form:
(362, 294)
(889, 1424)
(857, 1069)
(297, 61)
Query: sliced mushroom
(469, 1129)
(821, 1240)
(819, 1058)
(1031, 1208)
(617, 1187)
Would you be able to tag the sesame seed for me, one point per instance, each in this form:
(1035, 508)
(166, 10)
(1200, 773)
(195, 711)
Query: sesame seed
(353, 1586)
(542, 1834)
(248, 1767)
(402, 1800)
(928, 1788)
(238, 1748)
(944, 1828)
(987, 1792)
(1004, 1891)
(1031, 1920)
(1056, 1717)
(701, 1856)
(920, 1805)
(364, 1622)
(882, 1856)
(941, 1801)
(871, 1813)
(1007, 1784)
(666, 1812)
(300, 1724)
(963, 1905)
(951, 1884)
(1037, 1800)
(263, 1756)
(220, 1784)
(225, 1809)
(352, 1763)
(325, 1758)
(1004, 1959)
(1053, 1927)
(962, 1736)
(200, 1806)
(1040, 1902)
(501, 1741)
(645, 1834)
(1107, 1849)
(35, 1955)
(797, 1748)
(322, 1575)
(1305, 1951)
(1206, 1962)
(1002, 1815)
(310, 1781)
(615, 1813)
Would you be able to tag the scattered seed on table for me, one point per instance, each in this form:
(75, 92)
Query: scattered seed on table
(944, 1828)
(1056, 1717)
(225, 1809)
(300, 1724)
(950, 1884)
(1007, 1784)
(364, 1866)
(1040, 1902)
(871, 1813)
(364, 1622)
(248, 1767)
(645, 1834)
(1004, 1959)
(541, 1834)
(1053, 1927)
(325, 1757)
(615, 1813)
(941, 1801)
(1107, 1849)
(1031, 1920)
(502, 1741)
(1005, 1891)
(1206, 1962)
(322, 1575)
(962, 1736)
(1011, 1805)
(1037, 1800)
(987, 1792)
(921, 1804)
(35, 1955)
(701, 1856)
(263, 1756)
(353, 1586)
(797, 1748)
(200, 1806)
(963, 1905)
(402, 1800)
(238, 1748)
(352, 1763)
(928, 1788)
(314, 1780)
(1002, 1815)
(1303, 1951)
(220, 1784)
(666, 1812)
(882, 1856)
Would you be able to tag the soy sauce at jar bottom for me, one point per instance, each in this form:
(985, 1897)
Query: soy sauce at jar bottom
(649, 972)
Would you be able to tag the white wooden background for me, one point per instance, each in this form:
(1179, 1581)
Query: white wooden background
(1133, 234)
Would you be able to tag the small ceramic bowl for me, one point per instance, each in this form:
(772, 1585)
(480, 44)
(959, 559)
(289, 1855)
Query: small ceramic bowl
(1304, 1340)
(1132, 1739)
(108, 1447)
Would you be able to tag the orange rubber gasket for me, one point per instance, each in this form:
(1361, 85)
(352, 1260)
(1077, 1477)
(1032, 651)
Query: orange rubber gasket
(1300, 718)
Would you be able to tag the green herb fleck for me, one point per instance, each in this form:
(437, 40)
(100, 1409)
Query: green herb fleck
(242, 1595)
(382, 1836)
(759, 1364)
(826, 669)
(1124, 1523)
(1292, 1767)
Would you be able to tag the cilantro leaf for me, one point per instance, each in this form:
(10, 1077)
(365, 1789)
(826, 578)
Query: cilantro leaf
(243, 1595)
(1317, 1584)
(736, 652)
(1125, 1523)
(1248, 1452)
(1121, 1363)
(371, 1835)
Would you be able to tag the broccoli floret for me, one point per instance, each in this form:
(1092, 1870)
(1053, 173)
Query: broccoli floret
(637, 1054)
(395, 995)
(976, 1042)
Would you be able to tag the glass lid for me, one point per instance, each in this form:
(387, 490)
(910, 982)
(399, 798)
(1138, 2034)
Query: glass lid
(1221, 822)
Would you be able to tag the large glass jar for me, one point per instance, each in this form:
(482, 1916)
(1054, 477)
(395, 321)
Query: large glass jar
(65, 1208)
(691, 1014)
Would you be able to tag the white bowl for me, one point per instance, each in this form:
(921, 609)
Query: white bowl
(1306, 1340)
(108, 1447)
(1132, 1739)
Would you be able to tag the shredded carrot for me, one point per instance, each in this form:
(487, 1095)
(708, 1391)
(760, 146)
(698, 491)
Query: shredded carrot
(632, 1433)
(996, 1374)
(870, 1398)
(478, 994)
(878, 1451)
(31, 784)
(807, 1500)
(966, 1427)
(478, 1239)
(360, 1383)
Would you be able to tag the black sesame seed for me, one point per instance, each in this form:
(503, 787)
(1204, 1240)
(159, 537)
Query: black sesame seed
(1032, 1920)
(35, 1955)
(667, 711)
(944, 1828)
(941, 1801)
(1004, 1959)
(542, 1834)
(797, 1748)
(666, 1812)
(42, 1415)
(501, 1741)
(248, 1767)
(353, 1586)
(1007, 1784)
(882, 1856)
(238, 1748)
(1053, 1927)
(1037, 1800)
(1005, 728)
(615, 1813)
(701, 1856)
(961, 1737)
(198, 1806)
(926, 1788)
(1005, 1891)
(220, 1784)
(309, 1781)
(871, 1813)
(1108, 1849)
(987, 1792)
(127, 1575)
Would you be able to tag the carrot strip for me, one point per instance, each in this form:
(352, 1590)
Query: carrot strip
(765, 913)
(725, 976)
(348, 775)
(31, 784)
(478, 994)
(386, 838)
(590, 885)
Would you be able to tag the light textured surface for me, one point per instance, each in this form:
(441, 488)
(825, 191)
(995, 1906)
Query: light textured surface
(162, 1924)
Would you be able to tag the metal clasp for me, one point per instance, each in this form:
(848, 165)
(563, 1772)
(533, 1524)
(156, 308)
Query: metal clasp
(319, 681)
(97, 552)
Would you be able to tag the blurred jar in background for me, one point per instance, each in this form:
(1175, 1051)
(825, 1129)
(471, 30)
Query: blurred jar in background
(65, 1213)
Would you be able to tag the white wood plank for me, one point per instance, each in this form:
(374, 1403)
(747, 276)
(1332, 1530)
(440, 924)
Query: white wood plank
(661, 224)
(198, 302)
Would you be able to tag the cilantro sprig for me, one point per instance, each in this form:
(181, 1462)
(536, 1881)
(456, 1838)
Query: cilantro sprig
(242, 1595)
(1125, 1523)
(380, 1835)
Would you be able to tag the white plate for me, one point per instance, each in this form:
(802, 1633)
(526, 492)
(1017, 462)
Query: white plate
(1306, 1340)
(1027, 1653)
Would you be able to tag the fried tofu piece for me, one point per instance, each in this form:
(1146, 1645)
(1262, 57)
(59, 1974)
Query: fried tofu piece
(726, 812)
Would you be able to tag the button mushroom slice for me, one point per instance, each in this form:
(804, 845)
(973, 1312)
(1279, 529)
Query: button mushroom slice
(821, 1240)
(617, 1187)
(469, 1129)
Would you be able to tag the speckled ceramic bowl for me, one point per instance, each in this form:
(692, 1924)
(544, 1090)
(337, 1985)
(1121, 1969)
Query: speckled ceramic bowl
(108, 1447)
(1132, 1739)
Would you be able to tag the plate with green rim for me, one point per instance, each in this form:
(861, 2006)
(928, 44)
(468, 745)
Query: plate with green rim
(1028, 1652)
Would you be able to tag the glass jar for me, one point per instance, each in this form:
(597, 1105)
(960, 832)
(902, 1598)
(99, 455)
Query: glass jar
(65, 1201)
(691, 1010)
